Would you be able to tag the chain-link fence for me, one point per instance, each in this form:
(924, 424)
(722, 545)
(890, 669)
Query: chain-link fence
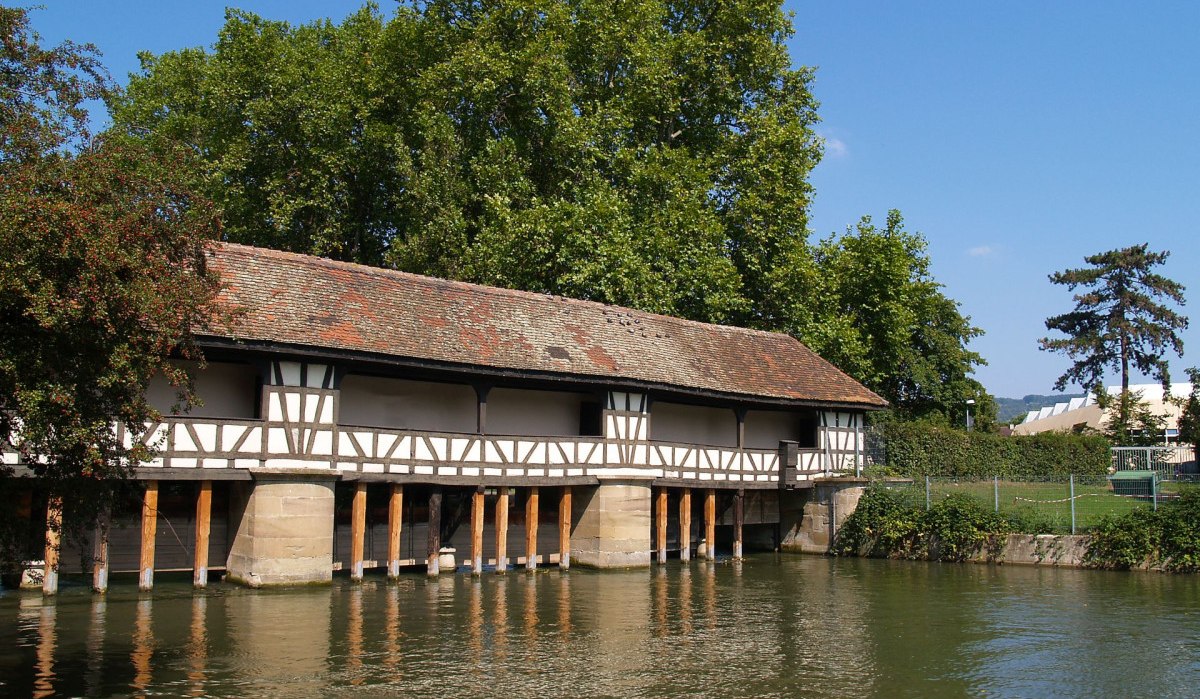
(1059, 505)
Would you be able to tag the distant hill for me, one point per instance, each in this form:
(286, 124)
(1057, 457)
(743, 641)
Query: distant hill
(1008, 408)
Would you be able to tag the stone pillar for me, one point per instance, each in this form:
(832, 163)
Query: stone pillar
(285, 531)
(811, 517)
(613, 529)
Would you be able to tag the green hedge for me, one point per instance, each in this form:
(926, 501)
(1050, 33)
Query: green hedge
(1167, 538)
(915, 449)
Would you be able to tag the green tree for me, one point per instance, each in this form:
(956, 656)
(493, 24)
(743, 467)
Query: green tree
(102, 274)
(884, 320)
(1121, 321)
(1189, 418)
(653, 154)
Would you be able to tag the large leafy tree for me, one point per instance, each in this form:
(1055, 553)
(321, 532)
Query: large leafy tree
(652, 153)
(883, 318)
(1123, 320)
(102, 272)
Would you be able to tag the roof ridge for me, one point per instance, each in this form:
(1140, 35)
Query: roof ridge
(498, 290)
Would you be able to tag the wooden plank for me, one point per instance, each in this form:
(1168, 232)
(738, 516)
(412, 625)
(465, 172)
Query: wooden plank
(710, 524)
(660, 522)
(564, 529)
(739, 519)
(53, 545)
(395, 525)
(358, 529)
(435, 532)
(203, 525)
(685, 525)
(100, 564)
(477, 531)
(502, 531)
(531, 527)
(149, 529)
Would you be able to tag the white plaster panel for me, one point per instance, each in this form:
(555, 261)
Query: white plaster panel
(423, 470)
(386, 442)
(326, 417)
(372, 401)
(322, 443)
(344, 466)
(207, 434)
(311, 403)
(316, 374)
(290, 372)
(183, 463)
(612, 454)
(183, 439)
(440, 448)
(493, 472)
(507, 449)
(514, 472)
(274, 407)
(245, 463)
(610, 427)
(155, 463)
(490, 453)
(574, 472)
(555, 473)
(292, 407)
(230, 434)
(214, 463)
(277, 442)
(693, 424)
(372, 468)
(639, 454)
(422, 453)
(472, 453)
(470, 470)
(447, 471)
(537, 472)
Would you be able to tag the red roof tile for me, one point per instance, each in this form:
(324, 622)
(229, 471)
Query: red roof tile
(310, 301)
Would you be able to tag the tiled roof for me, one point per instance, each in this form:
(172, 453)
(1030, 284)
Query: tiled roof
(309, 301)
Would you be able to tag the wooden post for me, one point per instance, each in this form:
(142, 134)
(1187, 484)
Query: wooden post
(660, 522)
(358, 529)
(477, 531)
(710, 524)
(481, 395)
(564, 529)
(741, 427)
(100, 552)
(53, 542)
(739, 517)
(531, 527)
(502, 531)
(203, 526)
(149, 530)
(395, 525)
(685, 525)
(435, 532)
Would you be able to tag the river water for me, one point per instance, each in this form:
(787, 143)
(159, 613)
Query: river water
(773, 625)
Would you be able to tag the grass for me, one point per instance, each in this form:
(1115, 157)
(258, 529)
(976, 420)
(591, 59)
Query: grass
(1046, 506)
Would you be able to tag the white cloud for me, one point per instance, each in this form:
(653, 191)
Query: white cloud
(981, 251)
(834, 147)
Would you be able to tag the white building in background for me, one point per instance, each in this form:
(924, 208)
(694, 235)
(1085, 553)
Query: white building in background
(1079, 413)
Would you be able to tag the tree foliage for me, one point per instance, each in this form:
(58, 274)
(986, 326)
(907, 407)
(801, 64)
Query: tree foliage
(653, 154)
(102, 271)
(883, 319)
(1121, 319)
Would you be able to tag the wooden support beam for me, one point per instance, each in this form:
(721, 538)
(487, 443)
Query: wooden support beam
(710, 524)
(481, 394)
(660, 525)
(100, 563)
(531, 527)
(564, 529)
(203, 526)
(53, 545)
(395, 526)
(435, 532)
(685, 525)
(741, 427)
(502, 531)
(477, 531)
(149, 530)
(739, 518)
(358, 529)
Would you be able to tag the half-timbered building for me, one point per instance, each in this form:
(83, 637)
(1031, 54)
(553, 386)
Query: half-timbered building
(357, 417)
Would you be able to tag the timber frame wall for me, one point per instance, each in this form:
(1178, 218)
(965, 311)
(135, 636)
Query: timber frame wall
(299, 430)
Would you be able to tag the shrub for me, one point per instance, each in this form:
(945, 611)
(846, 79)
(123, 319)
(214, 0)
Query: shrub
(919, 449)
(1168, 538)
(893, 523)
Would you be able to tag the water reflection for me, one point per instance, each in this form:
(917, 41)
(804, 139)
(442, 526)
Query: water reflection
(43, 685)
(786, 626)
(143, 647)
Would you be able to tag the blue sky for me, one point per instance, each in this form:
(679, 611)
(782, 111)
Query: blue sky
(1017, 137)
